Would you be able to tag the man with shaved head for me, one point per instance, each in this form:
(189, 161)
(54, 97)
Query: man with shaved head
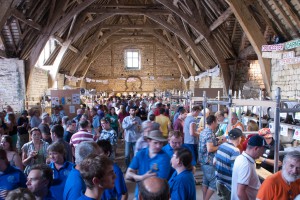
(154, 188)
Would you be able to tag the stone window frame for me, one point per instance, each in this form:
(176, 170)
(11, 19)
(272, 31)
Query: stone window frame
(139, 58)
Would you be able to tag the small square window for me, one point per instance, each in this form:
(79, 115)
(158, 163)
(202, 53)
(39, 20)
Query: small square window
(132, 59)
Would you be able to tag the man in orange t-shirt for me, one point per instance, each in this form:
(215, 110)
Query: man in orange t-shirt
(285, 184)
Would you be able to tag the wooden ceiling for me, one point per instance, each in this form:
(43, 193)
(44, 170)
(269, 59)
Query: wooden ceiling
(197, 34)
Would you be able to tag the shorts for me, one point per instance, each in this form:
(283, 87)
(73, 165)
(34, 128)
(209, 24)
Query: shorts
(209, 177)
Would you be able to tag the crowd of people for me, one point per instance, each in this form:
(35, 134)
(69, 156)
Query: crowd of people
(57, 157)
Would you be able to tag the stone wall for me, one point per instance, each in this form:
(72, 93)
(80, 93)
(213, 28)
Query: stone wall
(37, 87)
(12, 79)
(158, 71)
(287, 78)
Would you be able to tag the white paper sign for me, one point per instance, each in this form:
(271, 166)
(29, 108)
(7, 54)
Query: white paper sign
(55, 101)
(75, 99)
(297, 134)
(275, 55)
(284, 130)
(288, 54)
(72, 109)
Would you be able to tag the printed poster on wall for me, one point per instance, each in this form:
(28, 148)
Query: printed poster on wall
(75, 99)
(72, 109)
(54, 101)
(296, 134)
(68, 100)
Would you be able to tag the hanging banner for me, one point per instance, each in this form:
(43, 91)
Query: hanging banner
(292, 44)
(273, 47)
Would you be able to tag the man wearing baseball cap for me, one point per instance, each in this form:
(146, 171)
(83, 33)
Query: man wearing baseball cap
(267, 159)
(245, 181)
(150, 161)
(225, 157)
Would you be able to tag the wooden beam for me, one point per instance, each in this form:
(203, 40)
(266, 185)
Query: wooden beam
(61, 42)
(196, 54)
(221, 19)
(43, 38)
(183, 55)
(58, 60)
(201, 28)
(67, 18)
(89, 25)
(174, 48)
(183, 36)
(286, 18)
(5, 10)
(274, 18)
(291, 12)
(255, 37)
(89, 46)
(20, 16)
(129, 11)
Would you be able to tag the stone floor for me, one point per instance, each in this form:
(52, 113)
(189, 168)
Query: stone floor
(131, 186)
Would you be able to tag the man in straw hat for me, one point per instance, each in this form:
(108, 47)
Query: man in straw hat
(151, 161)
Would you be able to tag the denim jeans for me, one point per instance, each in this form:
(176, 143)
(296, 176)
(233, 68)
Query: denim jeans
(129, 150)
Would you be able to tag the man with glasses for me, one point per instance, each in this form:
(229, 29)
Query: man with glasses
(285, 184)
(39, 180)
(245, 181)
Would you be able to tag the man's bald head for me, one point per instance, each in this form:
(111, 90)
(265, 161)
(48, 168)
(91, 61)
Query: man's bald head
(154, 188)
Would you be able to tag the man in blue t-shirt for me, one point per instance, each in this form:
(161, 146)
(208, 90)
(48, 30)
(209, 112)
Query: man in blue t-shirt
(10, 177)
(151, 161)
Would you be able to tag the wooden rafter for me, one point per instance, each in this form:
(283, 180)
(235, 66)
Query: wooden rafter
(174, 48)
(197, 55)
(254, 35)
(43, 38)
(201, 28)
(274, 19)
(66, 19)
(291, 13)
(20, 16)
(90, 45)
(286, 18)
(183, 36)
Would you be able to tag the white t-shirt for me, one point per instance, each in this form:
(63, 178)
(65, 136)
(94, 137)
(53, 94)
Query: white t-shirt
(244, 172)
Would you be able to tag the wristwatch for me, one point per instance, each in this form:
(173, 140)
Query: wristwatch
(264, 160)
